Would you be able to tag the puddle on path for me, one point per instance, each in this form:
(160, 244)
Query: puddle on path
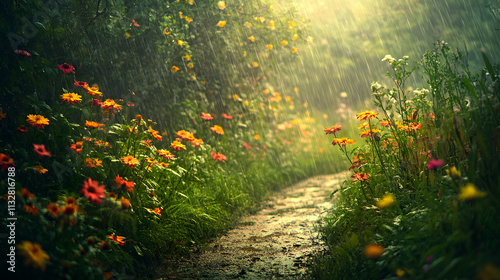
(275, 243)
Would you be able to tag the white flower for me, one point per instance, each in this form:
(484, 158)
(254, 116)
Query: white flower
(388, 58)
(376, 86)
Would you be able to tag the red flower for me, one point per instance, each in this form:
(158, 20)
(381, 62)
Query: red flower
(66, 68)
(22, 53)
(333, 129)
(80, 84)
(206, 116)
(22, 128)
(41, 151)
(96, 103)
(119, 180)
(248, 147)
(218, 156)
(434, 164)
(93, 191)
(227, 117)
(134, 23)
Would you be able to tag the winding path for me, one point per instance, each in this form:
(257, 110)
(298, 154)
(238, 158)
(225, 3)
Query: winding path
(274, 243)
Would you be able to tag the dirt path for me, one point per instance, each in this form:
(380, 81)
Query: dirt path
(274, 243)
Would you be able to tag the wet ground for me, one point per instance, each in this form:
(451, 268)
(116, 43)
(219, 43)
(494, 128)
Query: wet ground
(275, 243)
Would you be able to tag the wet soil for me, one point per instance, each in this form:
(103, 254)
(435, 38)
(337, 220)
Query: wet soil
(275, 243)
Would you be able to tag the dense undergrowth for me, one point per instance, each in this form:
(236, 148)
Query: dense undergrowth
(424, 195)
(105, 188)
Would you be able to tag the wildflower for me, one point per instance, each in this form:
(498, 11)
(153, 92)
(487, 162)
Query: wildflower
(453, 172)
(217, 129)
(388, 58)
(22, 53)
(93, 191)
(386, 201)
(117, 239)
(369, 132)
(470, 192)
(41, 151)
(110, 104)
(218, 156)
(227, 117)
(190, 65)
(260, 19)
(71, 98)
(295, 37)
(94, 91)
(434, 164)
(366, 115)
(256, 137)
(343, 141)
(284, 42)
(180, 43)
(206, 116)
(134, 23)
(188, 19)
(96, 103)
(33, 255)
(185, 135)
(119, 180)
(53, 209)
(175, 68)
(165, 154)
(155, 134)
(38, 121)
(77, 148)
(221, 5)
(221, 23)
(400, 273)
(93, 162)
(251, 38)
(255, 64)
(373, 251)
(26, 194)
(130, 161)
(360, 177)
(196, 142)
(176, 145)
(235, 97)
(187, 57)
(156, 211)
(248, 147)
(30, 209)
(269, 46)
(125, 203)
(247, 24)
(66, 68)
(164, 164)
(40, 169)
(333, 129)
(147, 143)
(22, 128)
(309, 39)
(6, 161)
(376, 86)
(81, 84)
(93, 124)
(294, 50)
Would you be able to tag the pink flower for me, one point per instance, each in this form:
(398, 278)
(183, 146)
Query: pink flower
(41, 151)
(93, 191)
(435, 163)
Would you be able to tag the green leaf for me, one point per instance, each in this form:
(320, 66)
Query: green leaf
(488, 65)
(471, 89)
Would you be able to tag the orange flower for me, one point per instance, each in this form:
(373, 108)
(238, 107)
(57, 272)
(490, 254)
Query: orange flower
(30, 209)
(206, 116)
(176, 145)
(343, 141)
(53, 209)
(37, 121)
(368, 132)
(80, 84)
(155, 134)
(227, 117)
(415, 126)
(33, 254)
(77, 147)
(217, 129)
(373, 251)
(197, 142)
(6, 161)
(93, 191)
(93, 162)
(157, 211)
(71, 98)
(93, 124)
(185, 135)
(360, 177)
(117, 239)
(165, 154)
(333, 129)
(26, 194)
(163, 164)
(40, 169)
(125, 203)
(175, 68)
(218, 156)
(385, 123)
(130, 161)
(41, 151)
(110, 104)
(366, 115)
(93, 90)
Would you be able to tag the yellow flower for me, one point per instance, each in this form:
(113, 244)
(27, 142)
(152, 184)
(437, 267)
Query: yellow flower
(221, 4)
(247, 24)
(251, 38)
(190, 65)
(37, 120)
(291, 24)
(260, 19)
(453, 172)
(190, 2)
(374, 251)
(93, 124)
(266, 91)
(256, 137)
(246, 103)
(400, 272)
(294, 50)
(180, 15)
(221, 23)
(271, 24)
(187, 57)
(296, 89)
(310, 39)
(244, 53)
(269, 47)
(255, 64)
(93, 162)
(235, 97)
(386, 201)
(166, 31)
(175, 68)
(40, 169)
(180, 42)
(470, 192)
(127, 35)
(188, 19)
(295, 37)
(284, 42)
(71, 98)
(33, 255)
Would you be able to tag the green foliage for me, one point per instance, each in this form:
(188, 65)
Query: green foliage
(424, 186)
